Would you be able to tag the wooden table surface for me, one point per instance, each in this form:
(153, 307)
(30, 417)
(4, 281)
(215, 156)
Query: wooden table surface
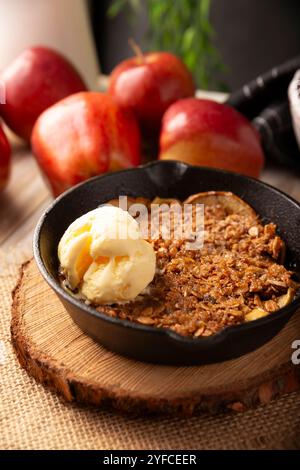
(21, 204)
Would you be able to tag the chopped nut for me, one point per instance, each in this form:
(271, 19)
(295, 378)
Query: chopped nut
(200, 331)
(195, 293)
(277, 246)
(146, 320)
(277, 283)
(253, 231)
(173, 251)
(270, 306)
(236, 313)
(147, 311)
(257, 301)
(207, 332)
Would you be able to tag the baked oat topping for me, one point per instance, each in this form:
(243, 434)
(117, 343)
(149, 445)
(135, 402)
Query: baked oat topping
(237, 275)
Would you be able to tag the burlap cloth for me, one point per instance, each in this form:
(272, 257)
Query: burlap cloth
(32, 417)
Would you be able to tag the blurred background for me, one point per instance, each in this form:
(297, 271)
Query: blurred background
(225, 43)
(241, 52)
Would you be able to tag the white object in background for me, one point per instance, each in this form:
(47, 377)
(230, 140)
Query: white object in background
(294, 97)
(60, 24)
(212, 95)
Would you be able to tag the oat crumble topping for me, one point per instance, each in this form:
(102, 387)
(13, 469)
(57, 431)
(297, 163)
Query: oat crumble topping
(238, 272)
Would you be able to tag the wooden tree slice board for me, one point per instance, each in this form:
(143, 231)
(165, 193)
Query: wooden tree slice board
(56, 353)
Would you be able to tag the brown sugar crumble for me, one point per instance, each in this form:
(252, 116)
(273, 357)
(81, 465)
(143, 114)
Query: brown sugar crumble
(236, 276)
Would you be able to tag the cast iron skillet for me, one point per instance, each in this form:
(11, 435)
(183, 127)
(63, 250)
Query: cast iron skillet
(167, 179)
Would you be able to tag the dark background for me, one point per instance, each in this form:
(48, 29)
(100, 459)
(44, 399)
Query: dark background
(252, 36)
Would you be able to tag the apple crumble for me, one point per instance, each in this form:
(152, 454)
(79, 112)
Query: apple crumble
(237, 276)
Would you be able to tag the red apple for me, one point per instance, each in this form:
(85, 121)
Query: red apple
(204, 132)
(84, 135)
(148, 84)
(36, 79)
(4, 159)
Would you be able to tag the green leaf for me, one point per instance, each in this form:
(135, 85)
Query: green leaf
(188, 38)
(157, 10)
(115, 8)
(135, 5)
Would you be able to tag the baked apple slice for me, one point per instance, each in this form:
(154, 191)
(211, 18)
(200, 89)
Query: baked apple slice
(231, 203)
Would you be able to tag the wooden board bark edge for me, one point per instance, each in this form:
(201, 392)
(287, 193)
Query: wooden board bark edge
(53, 375)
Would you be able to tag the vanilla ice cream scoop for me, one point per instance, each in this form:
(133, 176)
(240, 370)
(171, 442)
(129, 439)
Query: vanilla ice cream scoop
(103, 254)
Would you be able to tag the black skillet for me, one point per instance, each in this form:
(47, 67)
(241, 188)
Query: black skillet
(178, 180)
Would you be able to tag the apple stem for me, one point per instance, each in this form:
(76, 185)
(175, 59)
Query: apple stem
(136, 49)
